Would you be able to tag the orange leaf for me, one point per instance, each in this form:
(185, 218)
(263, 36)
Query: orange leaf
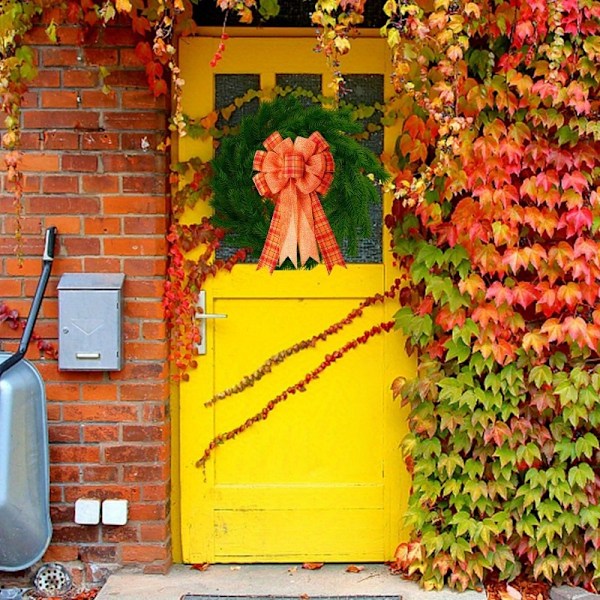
(354, 569)
(311, 566)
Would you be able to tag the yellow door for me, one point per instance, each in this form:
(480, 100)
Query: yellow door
(322, 478)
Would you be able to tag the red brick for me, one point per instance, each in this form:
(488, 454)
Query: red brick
(63, 474)
(124, 533)
(11, 288)
(56, 493)
(74, 454)
(139, 141)
(79, 78)
(142, 99)
(100, 183)
(58, 433)
(74, 205)
(98, 99)
(154, 331)
(62, 391)
(131, 163)
(102, 265)
(46, 79)
(100, 433)
(79, 162)
(100, 391)
(102, 225)
(31, 140)
(135, 120)
(65, 225)
(128, 58)
(75, 533)
(99, 140)
(40, 162)
(147, 512)
(98, 474)
(146, 351)
(81, 246)
(59, 57)
(144, 433)
(59, 99)
(140, 183)
(60, 184)
(143, 267)
(131, 331)
(140, 473)
(100, 56)
(60, 119)
(154, 413)
(147, 453)
(144, 371)
(144, 289)
(127, 78)
(98, 554)
(135, 205)
(156, 493)
(61, 140)
(144, 553)
(61, 553)
(30, 100)
(62, 513)
(144, 391)
(154, 532)
(134, 225)
(135, 246)
(99, 413)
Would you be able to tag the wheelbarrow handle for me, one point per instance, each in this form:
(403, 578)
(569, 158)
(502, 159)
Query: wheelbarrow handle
(49, 244)
(36, 303)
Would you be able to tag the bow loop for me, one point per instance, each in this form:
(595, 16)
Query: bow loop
(292, 173)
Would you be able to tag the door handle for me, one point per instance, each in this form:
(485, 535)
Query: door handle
(202, 316)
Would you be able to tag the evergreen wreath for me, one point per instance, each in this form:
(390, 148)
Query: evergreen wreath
(239, 208)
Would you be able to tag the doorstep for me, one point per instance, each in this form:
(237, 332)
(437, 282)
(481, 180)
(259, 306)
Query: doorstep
(271, 582)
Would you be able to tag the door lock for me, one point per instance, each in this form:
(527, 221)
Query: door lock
(202, 316)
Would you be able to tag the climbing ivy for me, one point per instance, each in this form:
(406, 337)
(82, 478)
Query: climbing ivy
(496, 218)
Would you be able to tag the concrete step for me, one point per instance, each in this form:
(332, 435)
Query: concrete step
(271, 582)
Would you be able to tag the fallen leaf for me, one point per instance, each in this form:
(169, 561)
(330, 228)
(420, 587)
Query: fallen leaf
(292, 570)
(200, 566)
(304, 597)
(353, 569)
(312, 566)
(234, 568)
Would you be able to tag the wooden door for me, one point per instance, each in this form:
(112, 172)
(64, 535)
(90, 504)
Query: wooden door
(322, 478)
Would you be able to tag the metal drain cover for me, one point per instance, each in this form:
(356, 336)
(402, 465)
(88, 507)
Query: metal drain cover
(52, 579)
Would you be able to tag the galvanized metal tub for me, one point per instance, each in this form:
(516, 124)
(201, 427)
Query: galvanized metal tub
(25, 527)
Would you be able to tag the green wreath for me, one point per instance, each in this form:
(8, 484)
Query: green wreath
(246, 216)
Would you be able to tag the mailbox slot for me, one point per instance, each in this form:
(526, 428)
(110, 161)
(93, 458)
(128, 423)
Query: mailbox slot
(90, 322)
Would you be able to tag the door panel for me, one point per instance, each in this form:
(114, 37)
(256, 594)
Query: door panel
(322, 478)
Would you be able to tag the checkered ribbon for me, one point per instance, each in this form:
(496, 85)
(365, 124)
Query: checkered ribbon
(292, 174)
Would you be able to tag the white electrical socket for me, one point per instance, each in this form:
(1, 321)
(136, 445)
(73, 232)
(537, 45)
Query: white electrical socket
(87, 511)
(114, 512)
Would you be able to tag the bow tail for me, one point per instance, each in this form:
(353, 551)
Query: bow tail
(307, 242)
(330, 251)
(270, 252)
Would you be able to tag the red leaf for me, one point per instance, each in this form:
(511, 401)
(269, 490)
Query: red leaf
(575, 180)
(354, 569)
(143, 51)
(200, 566)
(312, 566)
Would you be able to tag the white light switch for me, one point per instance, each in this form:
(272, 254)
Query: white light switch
(87, 511)
(114, 512)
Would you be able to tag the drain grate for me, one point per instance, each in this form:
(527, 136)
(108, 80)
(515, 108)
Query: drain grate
(52, 579)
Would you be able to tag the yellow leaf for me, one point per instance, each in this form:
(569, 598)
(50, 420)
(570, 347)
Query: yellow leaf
(123, 5)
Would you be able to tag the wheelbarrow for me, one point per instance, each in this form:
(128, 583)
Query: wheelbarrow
(25, 527)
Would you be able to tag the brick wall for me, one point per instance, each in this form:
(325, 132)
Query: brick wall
(88, 172)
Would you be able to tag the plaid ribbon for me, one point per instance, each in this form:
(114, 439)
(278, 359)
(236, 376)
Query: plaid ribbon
(292, 174)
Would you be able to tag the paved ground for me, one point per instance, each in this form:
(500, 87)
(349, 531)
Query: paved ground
(270, 581)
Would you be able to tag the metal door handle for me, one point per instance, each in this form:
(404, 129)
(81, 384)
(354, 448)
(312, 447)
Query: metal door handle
(202, 317)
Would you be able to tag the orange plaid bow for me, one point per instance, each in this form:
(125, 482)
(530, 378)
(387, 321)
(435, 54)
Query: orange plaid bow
(292, 173)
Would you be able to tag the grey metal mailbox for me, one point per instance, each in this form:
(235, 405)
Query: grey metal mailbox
(89, 322)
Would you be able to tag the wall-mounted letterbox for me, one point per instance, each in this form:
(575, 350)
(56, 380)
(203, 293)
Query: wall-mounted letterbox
(89, 322)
